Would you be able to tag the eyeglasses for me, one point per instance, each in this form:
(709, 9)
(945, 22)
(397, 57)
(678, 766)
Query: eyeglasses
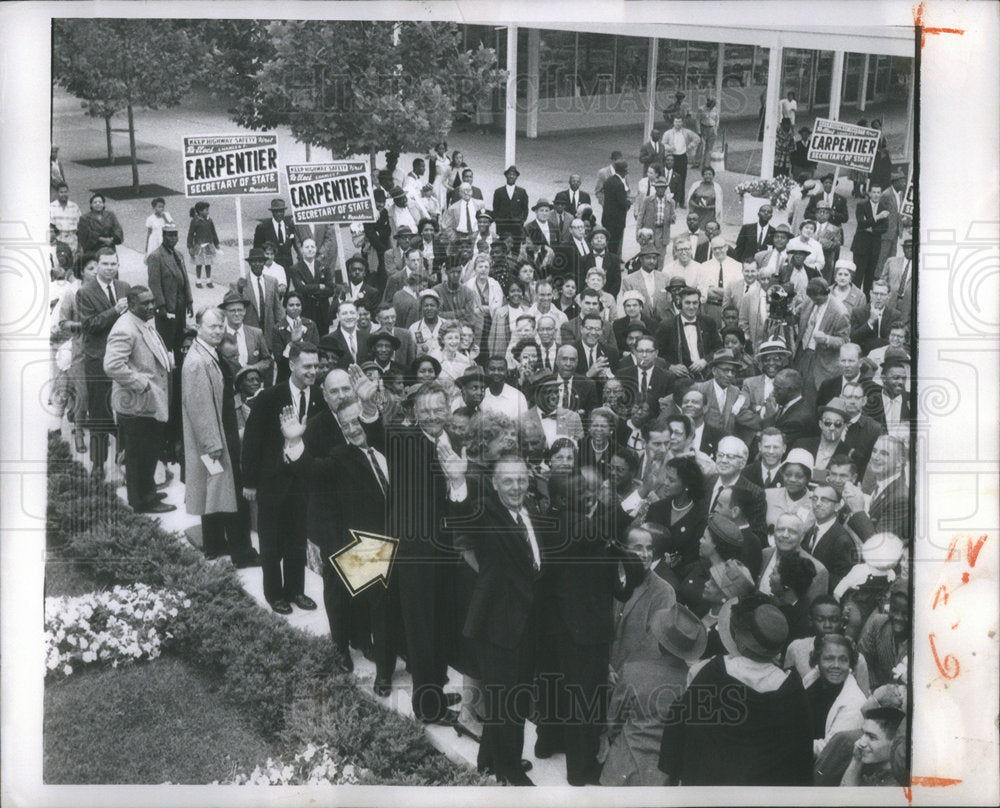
(837, 424)
(817, 498)
(727, 456)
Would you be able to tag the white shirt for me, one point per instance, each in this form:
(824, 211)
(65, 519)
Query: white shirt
(551, 353)
(430, 334)
(698, 432)
(241, 343)
(764, 470)
(379, 458)
(815, 318)
(511, 402)
(649, 279)
(532, 540)
(720, 397)
(550, 426)
(768, 387)
(510, 190)
(892, 407)
(691, 338)
(676, 141)
(351, 340)
(296, 394)
(544, 227)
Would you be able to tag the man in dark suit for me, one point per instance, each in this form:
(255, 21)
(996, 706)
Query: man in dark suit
(574, 197)
(601, 255)
(274, 476)
(850, 373)
(324, 236)
(171, 288)
(837, 203)
(576, 391)
(694, 404)
(868, 237)
(358, 290)
(616, 205)
(870, 324)
(541, 230)
(508, 544)
(644, 380)
(861, 431)
(828, 540)
(313, 280)
(730, 459)
(425, 559)
(597, 358)
(100, 302)
(891, 409)
(510, 207)
(756, 236)
(259, 293)
(888, 510)
(794, 417)
(353, 341)
(687, 342)
(253, 350)
(652, 152)
(279, 230)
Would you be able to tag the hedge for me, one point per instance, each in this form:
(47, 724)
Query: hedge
(286, 681)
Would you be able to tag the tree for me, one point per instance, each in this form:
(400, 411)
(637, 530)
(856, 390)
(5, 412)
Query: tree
(115, 65)
(358, 87)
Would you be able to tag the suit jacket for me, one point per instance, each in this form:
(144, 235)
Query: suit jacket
(407, 350)
(836, 550)
(836, 325)
(97, 315)
(746, 241)
(583, 393)
(874, 407)
(563, 196)
(569, 332)
(732, 295)
(273, 311)
(612, 265)
(633, 639)
(258, 351)
(859, 438)
(616, 204)
(869, 232)
(283, 336)
(710, 437)
(326, 242)
(316, 287)
(743, 424)
(568, 422)
(820, 584)
(138, 363)
(602, 177)
(602, 348)
(758, 516)
(651, 153)
(750, 320)
(263, 457)
(507, 595)
(266, 231)
(635, 281)
(888, 511)
(369, 299)
(510, 213)
(346, 360)
(168, 280)
(834, 386)
(674, 348)
(798, 421)
(661, 383)
(451, 219)
(753, 389)
(838, 215)
(892, 225)
(454, 194)
(892, 273)
(866, 336)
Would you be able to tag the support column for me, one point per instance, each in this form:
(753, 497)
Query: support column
(720, 74)
(836, 85)
(908, 136)
(510, 120)
(534, 53)
(772, 96)
(863, 89)
(651, 68)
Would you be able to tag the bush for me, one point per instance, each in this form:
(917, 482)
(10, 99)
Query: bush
(282, 678)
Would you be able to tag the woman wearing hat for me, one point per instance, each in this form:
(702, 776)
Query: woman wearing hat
(771, 743)
(793, 494)
(643, 695)
(844, 288)
(726, 581)
(835, 698)
(721, 541)
(705, 197)
(595, 279)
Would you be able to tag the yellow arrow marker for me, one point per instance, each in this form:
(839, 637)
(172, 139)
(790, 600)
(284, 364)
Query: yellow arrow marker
(366, 560)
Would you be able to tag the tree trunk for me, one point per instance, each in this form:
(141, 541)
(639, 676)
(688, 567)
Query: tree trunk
(107, 132)
(131, 149)
(373, 153)
(308, 153)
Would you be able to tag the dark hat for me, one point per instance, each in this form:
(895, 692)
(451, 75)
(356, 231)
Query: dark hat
(328, 345)
(660, 182)
(897, 174)
(256, 254)
(725, 530)
(826, 177)
(357, 258)
(639, 326)
(676, 282)
(908, 238)
(379, 195)
(600, 230)
(725, 356)
(541, 203)
(649, 249)
(473, 374)
(231, 299)
(817, 286)
(783, 228)
(679, 94)
(680, 632)
(243, 371)
(485, 214)
(370, 365)
(895, 356)
(278, 204)
(416, 363)
(387, 336)
(621, 166)
(540, 377)
(757, 634)
(836, 405)
(397, 193)
(733, 578)
(512, 168)
(404, 232)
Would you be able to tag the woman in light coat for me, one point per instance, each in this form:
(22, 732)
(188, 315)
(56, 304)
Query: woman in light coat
(833, 659)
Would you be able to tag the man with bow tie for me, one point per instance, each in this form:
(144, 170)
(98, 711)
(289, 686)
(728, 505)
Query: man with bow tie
(687, 342)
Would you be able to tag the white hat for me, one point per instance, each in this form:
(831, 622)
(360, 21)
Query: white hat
(845, 263)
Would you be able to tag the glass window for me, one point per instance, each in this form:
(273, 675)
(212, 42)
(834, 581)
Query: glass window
(632, 64)
(596, 64)
(556, 64)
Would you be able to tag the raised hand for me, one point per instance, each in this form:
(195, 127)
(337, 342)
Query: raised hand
(365, 388)
(455, 465)
(291, 428)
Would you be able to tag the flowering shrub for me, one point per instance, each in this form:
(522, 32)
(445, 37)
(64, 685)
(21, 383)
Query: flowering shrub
(778, 190)
(314, 765)
(123, 625)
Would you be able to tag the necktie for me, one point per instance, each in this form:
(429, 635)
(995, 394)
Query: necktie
(769, 479)
(590, 361)
(810, 541)
(527, 540)
(810, 327)
(720, 274)
(565, 401)
(352, 343)
(382, 481)
(903, 280)
(302, 406)
(645, 381)
(281, 233)
(468, 217)
(260, 297)
(111, 294)
(715, 499)
(548, 366)
(574, 200)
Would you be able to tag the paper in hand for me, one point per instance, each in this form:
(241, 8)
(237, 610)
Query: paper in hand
(213, 466)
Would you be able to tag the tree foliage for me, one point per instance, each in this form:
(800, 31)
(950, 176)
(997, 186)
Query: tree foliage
(356, 87)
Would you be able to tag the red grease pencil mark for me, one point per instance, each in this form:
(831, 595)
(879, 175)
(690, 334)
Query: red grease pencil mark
(948, 666)
(927, 782)
(971, 550)
(918, 21)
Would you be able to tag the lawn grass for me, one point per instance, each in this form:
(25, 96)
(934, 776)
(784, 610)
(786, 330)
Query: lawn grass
(148, 723)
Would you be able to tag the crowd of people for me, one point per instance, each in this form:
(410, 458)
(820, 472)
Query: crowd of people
(657, 504)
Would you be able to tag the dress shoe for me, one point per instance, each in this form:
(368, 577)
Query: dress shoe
(252, 560)
(382, 688)
(451, 699)
(448, 719)
(368, 652)
(526, 765)
(281, 607)
(304, 602)
(213, 556)
(156, 507)
(161, 495)
(210, 285)
(543, 751)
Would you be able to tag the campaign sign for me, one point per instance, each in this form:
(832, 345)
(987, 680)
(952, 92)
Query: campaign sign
(843, 144)
(907, 207)
(330, 193)
(230, 165)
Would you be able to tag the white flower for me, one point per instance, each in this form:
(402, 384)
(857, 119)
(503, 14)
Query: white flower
(67, 669)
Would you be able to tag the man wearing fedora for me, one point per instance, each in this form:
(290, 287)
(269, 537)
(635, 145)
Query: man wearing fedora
(836, 202)
(382, 347)
(771, 744)
(253, 349)
(280, 231)
(833, 417)
(546, 414)
(614, 213)
(891, 202)
(898, 272)
(259, 293)
(657, 214)
(168, 281)
(824, 325)
(830, 237)
(510, 207)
